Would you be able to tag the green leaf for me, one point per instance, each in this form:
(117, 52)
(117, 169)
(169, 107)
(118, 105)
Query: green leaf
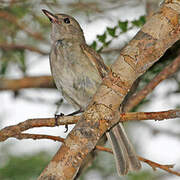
(143, 19)
(20, 58)
(112, 31)
(140, 22)
(102, 38)
(107, 43)
(123, 25)
(94, 45)
(3, 67)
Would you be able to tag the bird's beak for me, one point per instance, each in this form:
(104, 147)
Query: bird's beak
(51, 16)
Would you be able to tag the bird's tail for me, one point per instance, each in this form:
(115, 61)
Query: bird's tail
(125, 156)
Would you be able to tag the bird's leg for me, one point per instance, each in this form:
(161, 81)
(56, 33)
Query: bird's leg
(71, 114)
(56, 116)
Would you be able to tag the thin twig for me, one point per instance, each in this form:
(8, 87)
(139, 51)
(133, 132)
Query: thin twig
(153, 164)
(38, 136)
(105, 149)
(150, 115)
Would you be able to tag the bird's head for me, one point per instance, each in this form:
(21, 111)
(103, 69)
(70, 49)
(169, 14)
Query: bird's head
(64, 27)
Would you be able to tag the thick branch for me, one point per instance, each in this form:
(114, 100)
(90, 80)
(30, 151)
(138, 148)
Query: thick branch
(165, 73)
(26, 82)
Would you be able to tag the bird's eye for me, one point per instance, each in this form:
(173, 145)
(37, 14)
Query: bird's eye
(66, 20)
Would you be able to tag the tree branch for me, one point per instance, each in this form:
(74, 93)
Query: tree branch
(22, 47)
(158, 116)
(164, 74)
(38, 136)
(13, 131)
(153, 164)
(26, 82)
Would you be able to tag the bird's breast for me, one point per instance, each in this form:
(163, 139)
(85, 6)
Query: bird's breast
(74, 74)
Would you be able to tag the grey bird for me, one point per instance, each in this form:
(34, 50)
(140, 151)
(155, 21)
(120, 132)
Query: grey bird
(78, 71)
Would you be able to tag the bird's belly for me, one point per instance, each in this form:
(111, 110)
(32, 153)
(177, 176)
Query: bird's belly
(77, 83)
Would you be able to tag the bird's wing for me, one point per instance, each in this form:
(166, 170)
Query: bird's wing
(95, 59)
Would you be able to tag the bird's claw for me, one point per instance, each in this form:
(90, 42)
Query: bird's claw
(56, 121)
(56, 118)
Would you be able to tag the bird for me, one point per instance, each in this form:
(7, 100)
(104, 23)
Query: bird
(78, 71)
